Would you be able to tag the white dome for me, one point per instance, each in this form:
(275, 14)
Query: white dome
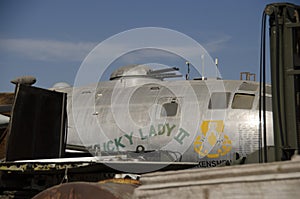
(130, 71)
(61, 85)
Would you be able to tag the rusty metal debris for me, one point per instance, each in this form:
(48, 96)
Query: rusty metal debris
(79, 190)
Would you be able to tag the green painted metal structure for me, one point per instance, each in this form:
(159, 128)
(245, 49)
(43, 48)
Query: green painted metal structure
(284, 33)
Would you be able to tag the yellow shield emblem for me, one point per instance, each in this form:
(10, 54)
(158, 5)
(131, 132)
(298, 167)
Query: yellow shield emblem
(212, 142)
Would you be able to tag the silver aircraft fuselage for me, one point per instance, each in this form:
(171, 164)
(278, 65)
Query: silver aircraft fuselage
(206, 121)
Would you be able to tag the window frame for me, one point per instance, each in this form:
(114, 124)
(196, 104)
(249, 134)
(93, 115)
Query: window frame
(164, 112)
(215, 95)
(237, 105)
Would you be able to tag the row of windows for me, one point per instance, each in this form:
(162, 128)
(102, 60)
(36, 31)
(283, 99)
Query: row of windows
(220, 100)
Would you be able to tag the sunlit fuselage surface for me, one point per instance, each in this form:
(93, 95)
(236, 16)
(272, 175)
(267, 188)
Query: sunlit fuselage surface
(206, 121)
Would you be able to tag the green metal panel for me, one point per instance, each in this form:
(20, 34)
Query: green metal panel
(284, 46)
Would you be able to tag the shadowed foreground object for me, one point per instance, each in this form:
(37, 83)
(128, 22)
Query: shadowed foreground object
(37, 124)
(78, 190)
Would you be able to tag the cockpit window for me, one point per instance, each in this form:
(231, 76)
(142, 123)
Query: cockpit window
(219, 100)
(242, 101)
(169, 109)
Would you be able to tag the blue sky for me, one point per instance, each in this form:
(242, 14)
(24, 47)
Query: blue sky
(50, 39)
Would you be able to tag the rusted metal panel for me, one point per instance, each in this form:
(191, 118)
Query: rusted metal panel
(37, 124)
(84, 190)
(3, 141)
(6, 101)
